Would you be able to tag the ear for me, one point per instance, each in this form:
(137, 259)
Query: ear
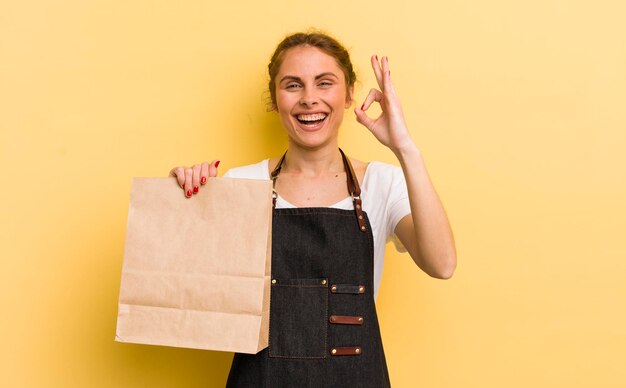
(350, 97)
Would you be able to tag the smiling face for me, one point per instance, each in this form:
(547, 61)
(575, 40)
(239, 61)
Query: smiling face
(311, 96)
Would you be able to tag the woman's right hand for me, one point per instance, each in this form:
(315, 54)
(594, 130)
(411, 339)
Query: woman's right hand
(190, 178)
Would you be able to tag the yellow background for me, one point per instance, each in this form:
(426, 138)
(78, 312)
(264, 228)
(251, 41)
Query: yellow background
(518, 106)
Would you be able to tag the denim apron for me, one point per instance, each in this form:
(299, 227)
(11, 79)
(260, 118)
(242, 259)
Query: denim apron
(323, 326)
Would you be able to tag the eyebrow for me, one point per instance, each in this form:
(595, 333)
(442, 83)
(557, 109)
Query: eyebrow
(294, 78)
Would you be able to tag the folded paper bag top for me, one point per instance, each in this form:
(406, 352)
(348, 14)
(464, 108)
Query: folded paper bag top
(196, 271)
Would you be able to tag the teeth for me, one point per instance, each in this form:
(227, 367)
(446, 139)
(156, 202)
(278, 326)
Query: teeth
(312, 117)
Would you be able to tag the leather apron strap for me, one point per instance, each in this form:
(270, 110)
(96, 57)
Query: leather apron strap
(353, 187)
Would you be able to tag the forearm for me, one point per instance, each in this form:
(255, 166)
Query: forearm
(430, 241)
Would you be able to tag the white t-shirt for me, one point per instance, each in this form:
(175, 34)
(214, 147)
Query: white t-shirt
(385, 200)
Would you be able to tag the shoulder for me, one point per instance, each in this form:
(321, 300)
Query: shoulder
(385, 182)
(386, 193)
(377, 176)
(252, 171)
(379, 173)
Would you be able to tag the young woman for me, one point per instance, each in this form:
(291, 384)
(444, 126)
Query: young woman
(331, 220)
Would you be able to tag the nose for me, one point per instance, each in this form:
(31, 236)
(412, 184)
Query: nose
(308, 98)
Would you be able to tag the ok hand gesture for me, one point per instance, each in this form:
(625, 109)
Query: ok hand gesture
(389, 128)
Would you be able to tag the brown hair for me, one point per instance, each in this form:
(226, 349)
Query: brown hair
(317, 39)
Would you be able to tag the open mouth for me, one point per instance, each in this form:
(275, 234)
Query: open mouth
(311, 120)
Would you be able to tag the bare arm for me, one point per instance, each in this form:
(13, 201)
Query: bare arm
(426, 232)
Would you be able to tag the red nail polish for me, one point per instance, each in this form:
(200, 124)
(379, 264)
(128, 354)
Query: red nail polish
(362, 106)
(217, 164)
(203, 180)
(376, 57)
(195, 189)
(189, 193)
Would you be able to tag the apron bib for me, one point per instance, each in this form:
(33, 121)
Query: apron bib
(324, 330)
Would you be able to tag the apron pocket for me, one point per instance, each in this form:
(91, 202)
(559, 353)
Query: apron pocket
(298, 318)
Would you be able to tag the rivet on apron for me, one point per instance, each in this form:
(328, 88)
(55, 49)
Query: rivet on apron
(324, 281)
(350, 351)
(334, 289)
(273, 281)
(361, 289)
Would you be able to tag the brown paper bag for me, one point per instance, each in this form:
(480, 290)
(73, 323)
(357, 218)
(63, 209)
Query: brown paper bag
(196, 270)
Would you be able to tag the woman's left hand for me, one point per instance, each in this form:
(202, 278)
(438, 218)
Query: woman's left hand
(389, 127)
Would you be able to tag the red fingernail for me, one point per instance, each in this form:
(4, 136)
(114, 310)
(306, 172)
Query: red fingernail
(195, 189)
(362, 106)
(376, 57)
(189, 193)
(217, 163)
(203, 180)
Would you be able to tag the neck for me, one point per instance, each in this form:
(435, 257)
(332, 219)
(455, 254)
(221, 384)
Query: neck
(313, 162)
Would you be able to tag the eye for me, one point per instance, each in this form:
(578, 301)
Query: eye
(292, 86)
(326, 83)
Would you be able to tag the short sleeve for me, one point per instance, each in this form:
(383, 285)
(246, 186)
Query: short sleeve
(251, 171)
(386, 200)
(398, 206)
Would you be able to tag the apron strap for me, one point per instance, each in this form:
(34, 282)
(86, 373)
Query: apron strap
(274, 176)
(353, 187)
(355, 191)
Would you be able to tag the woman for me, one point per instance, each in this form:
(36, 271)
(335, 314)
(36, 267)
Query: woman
(328, 235)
